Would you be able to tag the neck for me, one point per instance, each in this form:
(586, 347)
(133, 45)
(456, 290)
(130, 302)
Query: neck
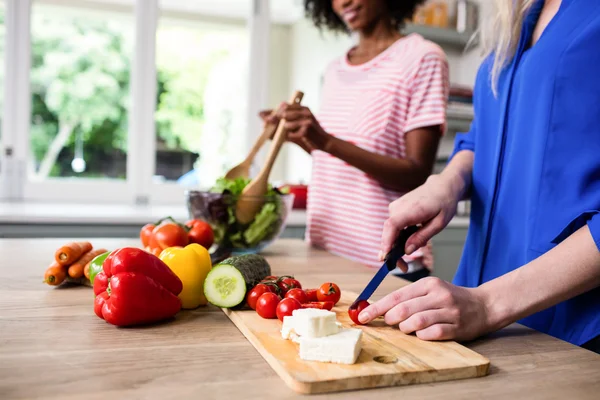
(379, 34)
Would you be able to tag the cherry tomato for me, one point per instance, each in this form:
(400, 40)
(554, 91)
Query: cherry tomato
(266, 305)
(146, 234)
(168, 235)
(200, 232)
(311, 294)
(271, 278)
(322, 305)
(256, 292)
(286, 307)
(286, 283)
(353, 312)
(329, 292)
(297, 294)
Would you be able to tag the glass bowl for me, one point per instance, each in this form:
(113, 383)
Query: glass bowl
(231, 236)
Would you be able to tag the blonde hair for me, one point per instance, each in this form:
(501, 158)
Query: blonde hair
(501, 36)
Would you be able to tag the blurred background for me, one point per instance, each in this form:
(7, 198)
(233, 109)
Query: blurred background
(111, 109)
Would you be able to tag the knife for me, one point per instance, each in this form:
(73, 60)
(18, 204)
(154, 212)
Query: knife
(389, 264)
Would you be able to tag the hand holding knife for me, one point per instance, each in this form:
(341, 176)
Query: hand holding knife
(389, 264)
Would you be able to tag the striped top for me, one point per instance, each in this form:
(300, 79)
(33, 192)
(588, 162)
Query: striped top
(371, 105)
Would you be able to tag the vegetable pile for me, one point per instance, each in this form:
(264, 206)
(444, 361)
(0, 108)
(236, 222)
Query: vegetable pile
(218, 207)
(279, 296)
(74, 263)
(169, 233)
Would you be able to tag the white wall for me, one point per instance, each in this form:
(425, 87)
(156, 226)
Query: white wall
(311, 52)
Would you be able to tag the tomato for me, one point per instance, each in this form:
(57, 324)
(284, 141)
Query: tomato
(146, 234)
(266, 305)
(297, 294)
(329, 292)
(311, 294)
(168, 235)
(256, 292)
(353, 312)
(286, 307)
(200, 232)
(322, 305)
(286, 283)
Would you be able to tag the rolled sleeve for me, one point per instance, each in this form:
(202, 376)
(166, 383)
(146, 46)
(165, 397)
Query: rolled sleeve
(464, 141)
(429, 96)
(591, 218)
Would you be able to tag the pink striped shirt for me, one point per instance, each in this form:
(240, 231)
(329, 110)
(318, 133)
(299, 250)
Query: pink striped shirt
(371, 105)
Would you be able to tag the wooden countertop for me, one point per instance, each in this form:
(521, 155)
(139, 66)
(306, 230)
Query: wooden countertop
(52, 345)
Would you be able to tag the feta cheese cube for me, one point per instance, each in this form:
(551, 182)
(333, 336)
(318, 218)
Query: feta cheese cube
(342, 348)
(311, 322)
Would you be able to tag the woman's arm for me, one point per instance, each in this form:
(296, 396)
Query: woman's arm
(569, 269)
(438, 310)
(400, 174)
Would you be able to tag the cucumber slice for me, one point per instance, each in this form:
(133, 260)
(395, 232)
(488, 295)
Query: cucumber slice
(225, 286)
(227, 283)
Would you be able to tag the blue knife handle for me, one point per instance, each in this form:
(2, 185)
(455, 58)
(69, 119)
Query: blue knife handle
(398, 250)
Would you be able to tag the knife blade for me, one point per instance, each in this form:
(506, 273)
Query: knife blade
(389, 264)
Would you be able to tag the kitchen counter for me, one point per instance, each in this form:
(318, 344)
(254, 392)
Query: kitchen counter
(109, 214)
(52, 345)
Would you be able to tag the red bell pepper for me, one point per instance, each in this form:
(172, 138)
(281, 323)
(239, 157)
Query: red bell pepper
(136, 287)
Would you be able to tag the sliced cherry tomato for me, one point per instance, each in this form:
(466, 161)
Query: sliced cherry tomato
(297, 294)
(311, 294)
(286, 307)
(200, 232)
(322, 305)
(329, 292)
(353, 312)
(266, 305)
(256, 292)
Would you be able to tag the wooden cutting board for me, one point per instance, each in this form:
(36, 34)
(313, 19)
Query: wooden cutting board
(388, 357)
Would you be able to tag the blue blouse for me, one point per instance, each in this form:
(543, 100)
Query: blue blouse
(536, 174)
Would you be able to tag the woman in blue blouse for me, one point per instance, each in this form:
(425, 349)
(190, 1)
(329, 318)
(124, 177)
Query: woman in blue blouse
(531, 167)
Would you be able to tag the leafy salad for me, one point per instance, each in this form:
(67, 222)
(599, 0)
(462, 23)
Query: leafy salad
(230, 232)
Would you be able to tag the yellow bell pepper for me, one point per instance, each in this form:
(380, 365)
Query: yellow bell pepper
(191, 264)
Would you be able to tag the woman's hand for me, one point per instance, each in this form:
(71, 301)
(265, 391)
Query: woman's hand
(433, 205)
(300, 124)
(434, 310)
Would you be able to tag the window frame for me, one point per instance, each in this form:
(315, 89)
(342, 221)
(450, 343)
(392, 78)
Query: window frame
(138, 188)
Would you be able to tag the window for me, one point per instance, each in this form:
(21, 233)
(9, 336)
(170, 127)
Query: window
(80, 74)
(2, 44)
(86, 121)
(202, 95)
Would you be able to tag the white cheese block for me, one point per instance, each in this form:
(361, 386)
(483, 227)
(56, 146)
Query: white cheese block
(342, 348)
(287, 329)
(312, 322)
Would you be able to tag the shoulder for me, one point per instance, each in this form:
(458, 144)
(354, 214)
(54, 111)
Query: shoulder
(416, 51)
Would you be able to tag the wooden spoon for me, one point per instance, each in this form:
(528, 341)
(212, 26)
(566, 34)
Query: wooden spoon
(252, 198)
(242, 170)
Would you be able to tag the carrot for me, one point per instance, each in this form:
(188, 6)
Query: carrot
(55, 274)
(71, 252)
(86, 270)
(76, 269)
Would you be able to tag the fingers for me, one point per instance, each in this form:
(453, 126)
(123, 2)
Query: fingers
(296, 129)
(268, 116)
(382, 306)
(388, 237)
(295, 113)
(438, 332)
(422, 236)
(407, 309)
(423, 320)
